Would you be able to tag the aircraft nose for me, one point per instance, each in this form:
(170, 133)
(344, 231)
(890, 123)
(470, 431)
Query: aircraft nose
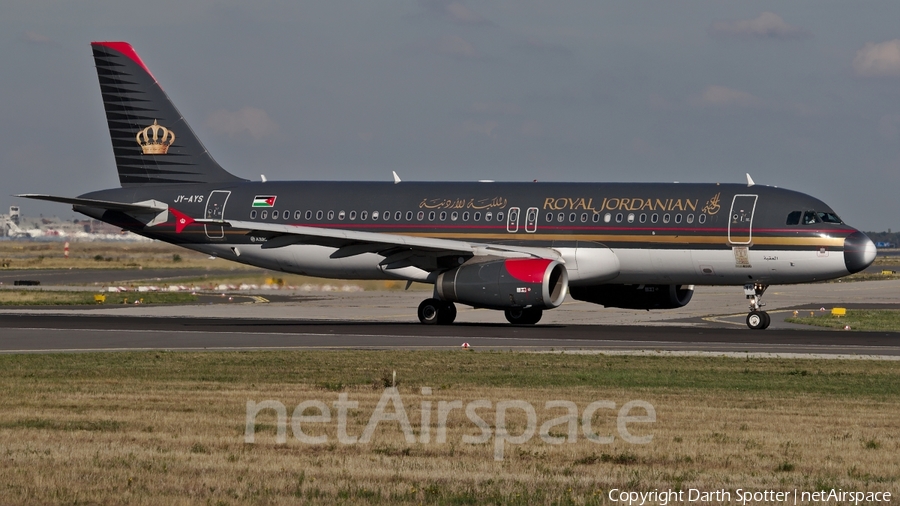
(859, 252)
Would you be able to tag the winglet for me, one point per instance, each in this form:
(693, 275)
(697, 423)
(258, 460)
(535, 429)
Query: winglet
(749, 180)
(181, 220)
(396, 177)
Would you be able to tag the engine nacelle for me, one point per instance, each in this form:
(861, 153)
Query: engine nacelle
(494, 283)
(635, 296)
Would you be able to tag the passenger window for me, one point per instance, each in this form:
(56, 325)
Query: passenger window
(253, 214)
(488, 215)
(583, 217)
(619, 218)
(318, 215)
(643, 218)
(297, 215)
(678, 218)
(500, 216)
(466, 216)
(794, 218)
(409, 215)
(666, 218)
(549, 217)
(443, 215)
(308, 215)
(363, 215)
(561, 217)
(654, 218)
(330, 215)
(702, 219)
(596, 217)
(571, 217)
(477, 217)
(630, 217)
(810, 218)
(274, 215)
(374, 215)
(420, 216)
(352, 215)
(607, 217)
(342, 215)
(263, 214)
(454, 216)
(431, 216)
(386, 215)
(398, 215)
(690, 218)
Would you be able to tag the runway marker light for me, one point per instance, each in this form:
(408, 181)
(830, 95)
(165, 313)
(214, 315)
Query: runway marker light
(846, 327)
(465, 346)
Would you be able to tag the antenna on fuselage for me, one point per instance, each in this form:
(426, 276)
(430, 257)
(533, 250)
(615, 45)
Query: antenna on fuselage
(749, 180)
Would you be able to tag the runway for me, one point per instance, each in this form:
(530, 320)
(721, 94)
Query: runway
(712, 323)
(61, 333)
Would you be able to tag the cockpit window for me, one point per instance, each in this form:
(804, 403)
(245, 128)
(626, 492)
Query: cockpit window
(810, 218)
(829, 218)
(794, 218)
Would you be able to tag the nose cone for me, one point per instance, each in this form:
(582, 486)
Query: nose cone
(859, 252)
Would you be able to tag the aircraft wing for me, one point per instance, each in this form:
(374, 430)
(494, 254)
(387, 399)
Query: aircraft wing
(398, 250)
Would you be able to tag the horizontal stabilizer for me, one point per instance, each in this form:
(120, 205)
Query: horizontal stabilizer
(149, 206)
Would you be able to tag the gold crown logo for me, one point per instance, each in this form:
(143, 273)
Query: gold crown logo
(159, 143)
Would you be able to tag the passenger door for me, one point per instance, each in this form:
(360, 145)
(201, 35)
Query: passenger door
(740, 223)
(215, 210)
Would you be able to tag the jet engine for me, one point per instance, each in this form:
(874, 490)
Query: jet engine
(497, 283)
(635, 296)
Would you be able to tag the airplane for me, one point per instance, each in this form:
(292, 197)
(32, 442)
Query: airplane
(516, 247)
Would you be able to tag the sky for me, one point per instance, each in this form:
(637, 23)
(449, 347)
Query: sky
(802, 94)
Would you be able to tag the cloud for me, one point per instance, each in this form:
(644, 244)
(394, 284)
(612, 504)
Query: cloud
(721, 96)
(486, 129)
(455, 12)
(246, 121)
(37, 39)
(882, 59)
(502, 108)
(889, 126)
(767, 26)
(454, 45)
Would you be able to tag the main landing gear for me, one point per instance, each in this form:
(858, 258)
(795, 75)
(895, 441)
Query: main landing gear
(756, 319)
(436, 312)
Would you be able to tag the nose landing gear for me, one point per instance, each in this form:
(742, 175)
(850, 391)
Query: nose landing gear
(756, 319)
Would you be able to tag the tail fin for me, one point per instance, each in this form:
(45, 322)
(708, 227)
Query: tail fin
(152, 142)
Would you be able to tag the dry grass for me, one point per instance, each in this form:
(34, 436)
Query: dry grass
(151, 428)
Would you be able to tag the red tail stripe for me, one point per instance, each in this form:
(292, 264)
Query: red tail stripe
(126, 49)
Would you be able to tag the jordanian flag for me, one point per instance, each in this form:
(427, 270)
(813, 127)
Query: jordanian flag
(264, 201)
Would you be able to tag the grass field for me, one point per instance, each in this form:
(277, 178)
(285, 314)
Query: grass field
(72, 298)
(25, 255)
(168, 428)
(857, 319)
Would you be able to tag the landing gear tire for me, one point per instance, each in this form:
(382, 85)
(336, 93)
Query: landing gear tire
(523, 316)
(436, 312)
(429, 311)
(447, 314)
(758, 320)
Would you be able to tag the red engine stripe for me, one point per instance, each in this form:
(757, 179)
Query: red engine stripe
(529, 270)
